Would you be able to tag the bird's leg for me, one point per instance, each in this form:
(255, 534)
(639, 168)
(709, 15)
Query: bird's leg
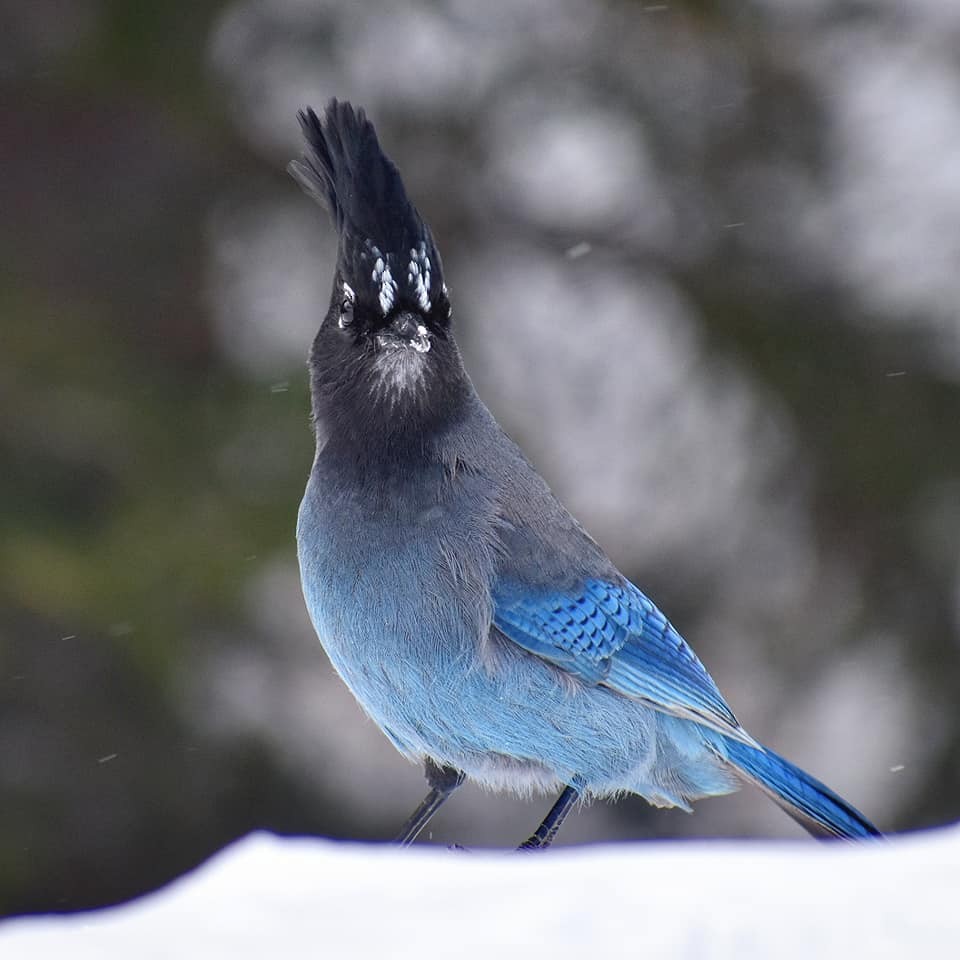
(547, 830)
(443, 781)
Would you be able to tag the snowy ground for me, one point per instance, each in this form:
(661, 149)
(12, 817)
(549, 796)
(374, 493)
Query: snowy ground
(266, 896)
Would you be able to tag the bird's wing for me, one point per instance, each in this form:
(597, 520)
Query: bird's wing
(611, 634)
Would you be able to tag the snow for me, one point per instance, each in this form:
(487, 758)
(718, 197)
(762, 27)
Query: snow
(268, 896)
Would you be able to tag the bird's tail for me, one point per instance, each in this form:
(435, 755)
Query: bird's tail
(812, 804)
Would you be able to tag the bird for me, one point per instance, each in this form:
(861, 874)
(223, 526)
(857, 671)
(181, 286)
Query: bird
(475, 621)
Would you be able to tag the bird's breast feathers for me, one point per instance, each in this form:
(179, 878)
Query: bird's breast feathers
(381, 574)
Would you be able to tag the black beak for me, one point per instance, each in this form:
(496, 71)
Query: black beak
(406, 329)
(405, 325)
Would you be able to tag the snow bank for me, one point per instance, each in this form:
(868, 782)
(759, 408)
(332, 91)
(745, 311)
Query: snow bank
(290, 898)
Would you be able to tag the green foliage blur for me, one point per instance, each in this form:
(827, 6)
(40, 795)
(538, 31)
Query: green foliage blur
(128, 526)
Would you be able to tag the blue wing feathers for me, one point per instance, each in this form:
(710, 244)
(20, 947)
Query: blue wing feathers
(613, 634)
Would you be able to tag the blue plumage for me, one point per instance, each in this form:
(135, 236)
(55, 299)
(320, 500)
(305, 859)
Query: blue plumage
(473, 618)
(613, 635)
(807, 800)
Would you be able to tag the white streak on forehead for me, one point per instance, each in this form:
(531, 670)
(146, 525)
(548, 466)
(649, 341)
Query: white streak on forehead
(388, 286)
(418, 276)
(383, 278)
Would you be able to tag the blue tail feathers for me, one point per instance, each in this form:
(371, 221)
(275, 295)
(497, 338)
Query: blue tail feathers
(813, 805)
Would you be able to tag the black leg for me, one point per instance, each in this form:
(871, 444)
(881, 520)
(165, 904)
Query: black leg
(443, 781)
(552, 821)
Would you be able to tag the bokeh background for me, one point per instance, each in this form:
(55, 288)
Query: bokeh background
(705, 261)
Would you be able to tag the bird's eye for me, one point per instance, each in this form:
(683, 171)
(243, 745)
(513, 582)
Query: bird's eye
(346, 308)
(444, 307)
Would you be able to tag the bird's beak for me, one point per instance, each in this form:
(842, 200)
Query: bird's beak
(406, 329)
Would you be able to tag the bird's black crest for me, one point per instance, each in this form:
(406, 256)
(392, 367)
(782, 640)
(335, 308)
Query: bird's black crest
(387, 254)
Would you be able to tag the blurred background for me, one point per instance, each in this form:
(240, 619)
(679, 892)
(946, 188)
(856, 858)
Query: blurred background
(705, 265)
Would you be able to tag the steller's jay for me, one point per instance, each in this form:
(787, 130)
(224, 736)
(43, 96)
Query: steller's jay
(469, 613)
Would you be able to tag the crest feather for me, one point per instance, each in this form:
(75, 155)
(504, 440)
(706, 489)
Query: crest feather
(380, 231)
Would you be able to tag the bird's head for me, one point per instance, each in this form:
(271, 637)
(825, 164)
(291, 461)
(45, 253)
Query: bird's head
(383, 359)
